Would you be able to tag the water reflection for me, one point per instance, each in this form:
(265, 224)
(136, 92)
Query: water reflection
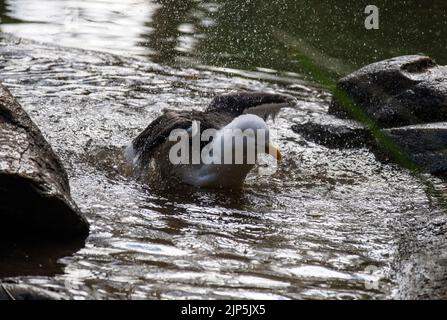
(241, 35)
(34, 259)
(111, 25)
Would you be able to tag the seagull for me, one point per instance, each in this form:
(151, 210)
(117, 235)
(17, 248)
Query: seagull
(236, 127)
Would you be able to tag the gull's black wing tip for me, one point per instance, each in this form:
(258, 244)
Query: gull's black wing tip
(263, 104)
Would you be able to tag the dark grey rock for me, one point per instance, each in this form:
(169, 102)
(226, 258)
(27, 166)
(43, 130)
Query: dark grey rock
(426, 144)
(12, 291)
(397, 92)
(407, 96)
(34, 190)
(421, 265)
(332, 132)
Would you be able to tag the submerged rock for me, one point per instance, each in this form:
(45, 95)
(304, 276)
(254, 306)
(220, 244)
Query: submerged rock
(398, 92)
(34, 190)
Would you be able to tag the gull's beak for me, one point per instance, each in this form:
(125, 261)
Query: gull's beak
(273, 150)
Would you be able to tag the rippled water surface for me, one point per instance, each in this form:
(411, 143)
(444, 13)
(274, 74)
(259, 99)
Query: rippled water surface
(327, 224)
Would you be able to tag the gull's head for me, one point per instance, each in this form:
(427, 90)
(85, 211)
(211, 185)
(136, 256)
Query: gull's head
(246, 136)
(233, 152)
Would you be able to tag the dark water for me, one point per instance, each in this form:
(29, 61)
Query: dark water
(327, 224)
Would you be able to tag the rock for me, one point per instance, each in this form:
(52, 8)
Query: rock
(421, 263)
(401, 91)
(12, 291)
(332, 132)
(35, 196)
(406, 96)
(425, 143)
